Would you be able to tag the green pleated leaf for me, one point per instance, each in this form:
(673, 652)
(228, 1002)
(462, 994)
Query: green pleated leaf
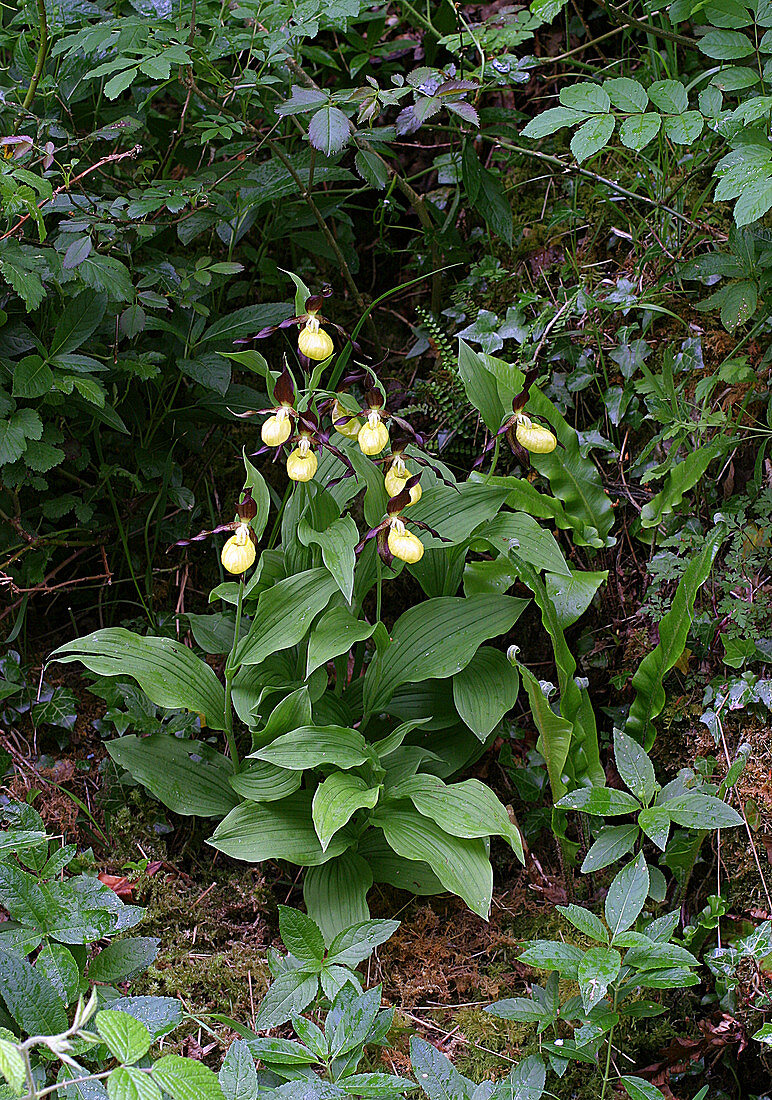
(336, 799)
(335, 633)
(263, 782)
(310, 746)
(256, 831)
(454, 513)
(461, 865)
(284, 613)
(485, 690)
(437, 638)
(335, 894)
(168, 672)
(189, 777)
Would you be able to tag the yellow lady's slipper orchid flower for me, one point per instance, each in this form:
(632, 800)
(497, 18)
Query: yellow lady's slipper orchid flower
(374, 435)
(302, 463)
(239, 551)
(404, 544)
(534, 437)
(314, 342)
(277, 428)
(349, 428)
(396, 477)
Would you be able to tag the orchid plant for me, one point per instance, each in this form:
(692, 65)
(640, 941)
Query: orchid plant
(347, 719)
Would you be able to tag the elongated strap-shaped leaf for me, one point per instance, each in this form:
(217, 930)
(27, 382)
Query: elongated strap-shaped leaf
(680, 480)
(575, 705)
(337, 542)
(673, 631)
(554, 733)
(310, 746)
(461, 865)
(255, 831)
(338, 797)
(169, 674)
(335, 893)
(187, 776)
(468, 809)
(284, 614)
(437, 638)
(574, 479)
(485, 690)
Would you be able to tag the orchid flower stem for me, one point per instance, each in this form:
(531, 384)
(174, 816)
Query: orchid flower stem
(496, 449)
(379, 587)
(230, 672)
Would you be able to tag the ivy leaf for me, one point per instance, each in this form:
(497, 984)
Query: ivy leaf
(329, 130)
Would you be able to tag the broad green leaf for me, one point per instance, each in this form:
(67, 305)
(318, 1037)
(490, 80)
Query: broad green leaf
(554, 732)
(127, 1039)
(634, 767)
(30, 997)
(644, 954)
(168, 672)
(639, 1089)
(456, 512)
(592, 136)
(57, 963)
(264, 782)
(613, 842)
(186, 1079)
(289, 994)
(435, 1073)
(525, 1081)
(489, 577)
(281, 1052)
(585, 921)
(335, 894)
(637, 131)
(284, 613)
(238, 1076)
(669, 95)
(655, 823)
(123, 959)
(468, 809)
(551, 120)
(32, 377)
(310, 746)
(684, 129)
(485, 690)
(597, 970)
(80, 318)
(626, 95)
(533, 543)
(437, 638)
(255, 482)
(337, 543)
(553, 955)
(12, 1066)
(461, 865)
(523, 1009)
(673, 630)
(130, 1083)
(726, 45)
(336, 799)
(329, 130)
(480, 386)
(585, 96)
(752, 204)
(356, 943)
(701, 811)
(301, 936)
(741, 298)
(572, 595)
(336, 632)
(15, 431)
(627, 895)
(189, 777)
(257, 831)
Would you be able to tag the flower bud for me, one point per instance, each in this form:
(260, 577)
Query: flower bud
(374, 435)
(276, 429)
(349, 428)
(239, 551)
(534, 437)
(302, 462)
(314, 342)
(404, 544)
(395, 479)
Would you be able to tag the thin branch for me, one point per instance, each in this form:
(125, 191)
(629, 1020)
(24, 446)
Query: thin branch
(41, 58)
(113, 158)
